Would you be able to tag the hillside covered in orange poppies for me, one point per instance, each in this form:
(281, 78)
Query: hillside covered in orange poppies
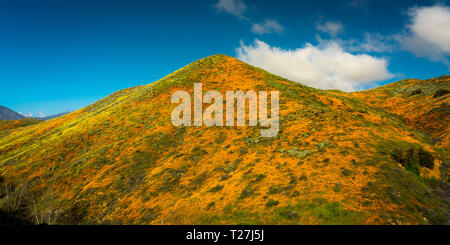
(423, 104)
(379, 156)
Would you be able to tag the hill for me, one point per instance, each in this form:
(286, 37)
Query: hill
(423, 104)
(7, 125)
(8, 114)
(336, 160)
(52, 116)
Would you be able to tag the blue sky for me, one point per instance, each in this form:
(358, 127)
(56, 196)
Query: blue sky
(62, 55)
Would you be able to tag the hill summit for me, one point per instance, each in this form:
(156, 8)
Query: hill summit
(337, 159)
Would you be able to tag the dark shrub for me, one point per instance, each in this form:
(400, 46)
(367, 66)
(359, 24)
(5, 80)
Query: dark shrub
(246, 192)
(74, 214)
(346, 172)
(338, 187)
(210, 205)
(275, 190)
(412, 158)
(441, 92)
(417, 91)
(9, 219)
(144, 158)
(15, 204)
(426, 159)
(272, 203)
(216, 188)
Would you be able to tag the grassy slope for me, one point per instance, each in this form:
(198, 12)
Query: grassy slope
(120, 161)
(7, 125)
(421, 103)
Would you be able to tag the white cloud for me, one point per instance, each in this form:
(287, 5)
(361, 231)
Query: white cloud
(330, 27)
(238, 7)
(269, 26)
(26, 114)
(41, 114)
(357, 4)
(326, 66)
(234, 7)
(428, 34)
(371, 43)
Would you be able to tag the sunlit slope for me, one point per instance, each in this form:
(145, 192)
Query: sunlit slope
(423, 104)
(7, 125)
(121, 161)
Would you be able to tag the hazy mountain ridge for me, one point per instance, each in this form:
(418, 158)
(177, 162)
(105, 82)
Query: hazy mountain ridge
(336, 159)
(8, 114)
(46, 118)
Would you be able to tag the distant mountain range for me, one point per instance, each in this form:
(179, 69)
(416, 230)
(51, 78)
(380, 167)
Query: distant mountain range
(8, 114)
(53, 116)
